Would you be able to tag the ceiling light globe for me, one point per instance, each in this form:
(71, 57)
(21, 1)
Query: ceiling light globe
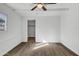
(39, 6)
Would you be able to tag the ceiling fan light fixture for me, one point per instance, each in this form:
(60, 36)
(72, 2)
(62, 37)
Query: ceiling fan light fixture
(39, 5)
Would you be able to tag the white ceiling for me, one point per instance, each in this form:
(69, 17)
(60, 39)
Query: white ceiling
(24, 9)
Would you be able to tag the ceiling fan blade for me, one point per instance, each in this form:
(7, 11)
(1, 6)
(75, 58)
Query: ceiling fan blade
(44, 8)
(49, 3)
(44, 3)
(33, 8)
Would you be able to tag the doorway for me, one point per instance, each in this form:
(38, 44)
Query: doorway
(31, 31)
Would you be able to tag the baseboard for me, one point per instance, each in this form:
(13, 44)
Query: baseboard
(69, 49)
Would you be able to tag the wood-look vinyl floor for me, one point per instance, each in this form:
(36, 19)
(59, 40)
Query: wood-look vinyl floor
(39, 49)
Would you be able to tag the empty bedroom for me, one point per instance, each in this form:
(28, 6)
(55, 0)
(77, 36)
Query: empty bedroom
(39, 29)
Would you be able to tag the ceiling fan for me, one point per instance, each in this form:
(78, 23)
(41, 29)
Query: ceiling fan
(41, 6)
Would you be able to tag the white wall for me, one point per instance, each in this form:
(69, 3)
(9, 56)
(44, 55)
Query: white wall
(70, 27)
(48, 28)
(24, 29)
(12, 37)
